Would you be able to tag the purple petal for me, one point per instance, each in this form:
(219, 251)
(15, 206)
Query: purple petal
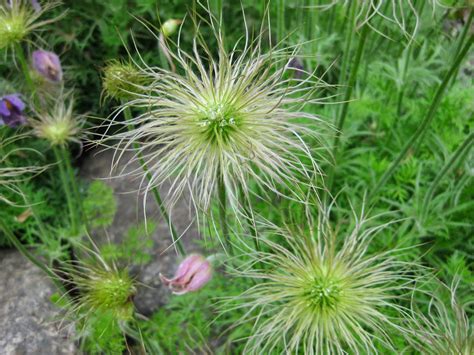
(15, 101)
(4, 111)
(36, 5)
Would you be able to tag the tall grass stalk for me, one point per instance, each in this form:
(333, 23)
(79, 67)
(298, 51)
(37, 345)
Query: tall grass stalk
(156, 194)
(422, 128)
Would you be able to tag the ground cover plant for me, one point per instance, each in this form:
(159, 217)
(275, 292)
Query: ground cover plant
(323, 148)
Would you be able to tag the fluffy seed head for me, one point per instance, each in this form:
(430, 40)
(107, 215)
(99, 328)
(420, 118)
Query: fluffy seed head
(98, 286)
(11, 176)
(121, 80)
(323, 293)
(233, 117)
(443, 328)
(59, 125)
(18, 18)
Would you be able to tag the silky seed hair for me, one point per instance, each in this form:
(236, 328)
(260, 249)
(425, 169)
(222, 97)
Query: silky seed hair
(237, 117)
(318, 292)
(12, 176)
(445, 327)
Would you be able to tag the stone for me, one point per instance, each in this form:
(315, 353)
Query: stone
(29, 322)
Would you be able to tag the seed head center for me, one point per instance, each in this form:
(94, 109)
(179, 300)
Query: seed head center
(324, 293)
(218, 117)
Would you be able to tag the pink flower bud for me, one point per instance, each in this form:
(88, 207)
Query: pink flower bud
(48, 65)
(192, 274)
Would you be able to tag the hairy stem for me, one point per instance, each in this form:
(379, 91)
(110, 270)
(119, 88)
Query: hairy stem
(156, 194)
(223, 214)
(72, 180)
(67, 190)
(419, 133)
(20, 54)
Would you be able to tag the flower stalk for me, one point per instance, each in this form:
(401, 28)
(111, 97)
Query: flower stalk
(20, 54)
(63, 175)
(222, 201)
(156, 194)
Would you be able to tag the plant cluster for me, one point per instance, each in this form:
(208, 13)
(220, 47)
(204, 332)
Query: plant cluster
(324, 149)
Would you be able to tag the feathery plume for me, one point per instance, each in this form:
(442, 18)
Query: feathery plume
(59, 125)
(232, 118)
(320, 292)
(442, 329)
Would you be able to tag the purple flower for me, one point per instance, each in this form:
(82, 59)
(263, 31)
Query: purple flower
(48, 65)
(35, 3)
(296, 65)
(192, 274)
(11, 111)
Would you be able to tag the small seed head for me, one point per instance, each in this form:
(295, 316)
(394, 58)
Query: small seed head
(121, 80)
(12, 30)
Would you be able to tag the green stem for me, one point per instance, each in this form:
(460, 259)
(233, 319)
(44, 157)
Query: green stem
(73, 183)
(419, 133)
(223, 214)
(464, 147)
(64, 181)
(247, 208)
(20, 54)
(156, 194)
(345, 105)
(25, 252)
(465, 31)
(349, 35)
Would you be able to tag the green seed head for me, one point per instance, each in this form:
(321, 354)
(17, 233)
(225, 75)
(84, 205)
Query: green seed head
(110, 291)
(12, 30)
(57, 133)
(121, 80)
(324, 293)
(218, 122)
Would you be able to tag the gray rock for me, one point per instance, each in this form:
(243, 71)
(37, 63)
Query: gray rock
(29, 322)
(130, 211)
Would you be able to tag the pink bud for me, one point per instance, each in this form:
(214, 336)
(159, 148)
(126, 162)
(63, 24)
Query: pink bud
(192, 274)
(48, 65)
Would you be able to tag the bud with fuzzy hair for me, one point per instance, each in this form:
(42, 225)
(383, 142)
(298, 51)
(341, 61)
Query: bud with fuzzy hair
(59, 125)
(121, 80)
